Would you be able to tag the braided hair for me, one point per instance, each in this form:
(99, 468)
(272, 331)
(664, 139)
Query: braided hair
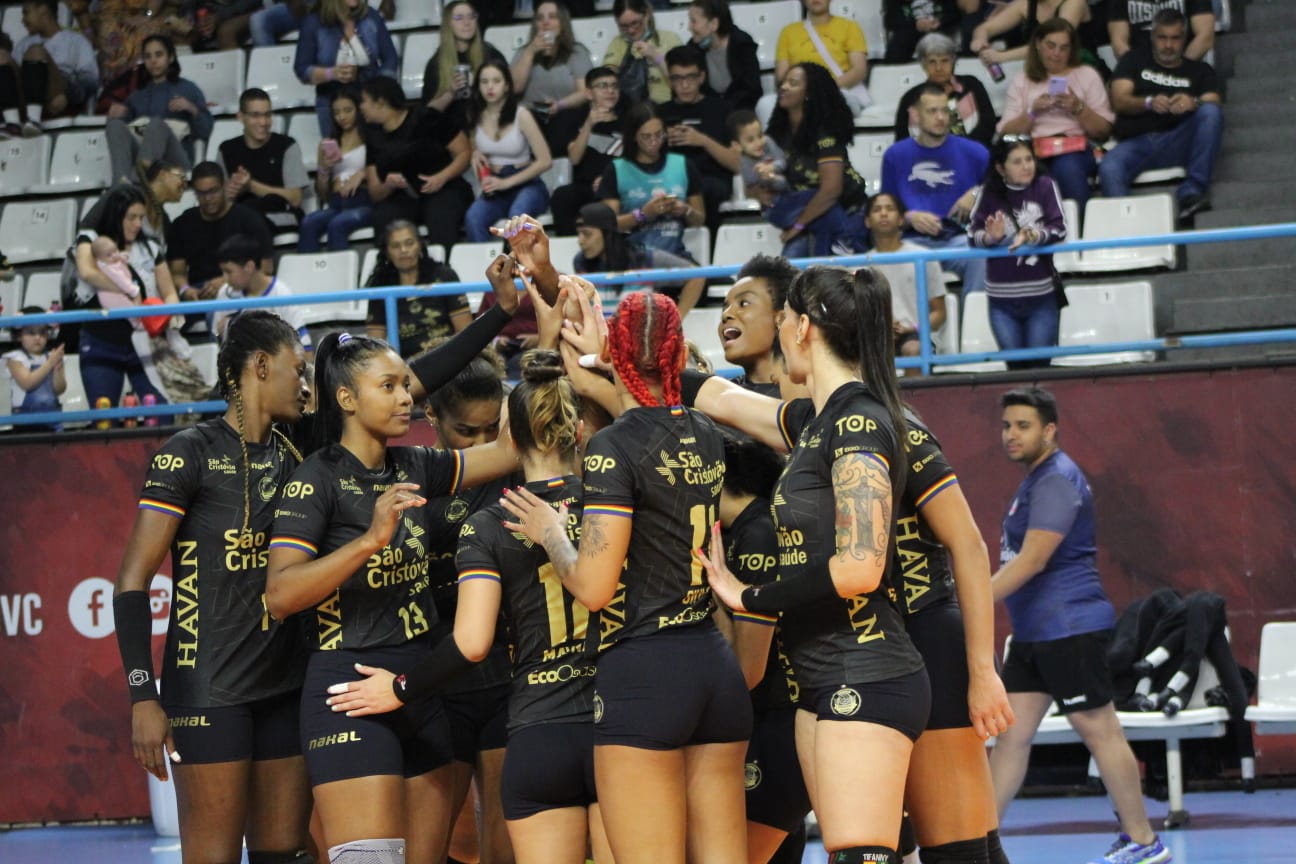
(647, 342)
(247, 333)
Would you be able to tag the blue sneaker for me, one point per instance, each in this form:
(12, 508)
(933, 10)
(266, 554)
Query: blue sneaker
(1134, 853)
(1122, 840)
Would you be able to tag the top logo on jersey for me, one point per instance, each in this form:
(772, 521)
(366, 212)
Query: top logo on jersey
(167, 462)
(596, 463)
(298, 489)
(856, 423)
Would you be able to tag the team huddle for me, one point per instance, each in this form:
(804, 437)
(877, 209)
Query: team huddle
(608, 612)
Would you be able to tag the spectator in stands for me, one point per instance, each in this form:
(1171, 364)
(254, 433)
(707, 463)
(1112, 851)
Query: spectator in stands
(1167, 114)
(240, 264)
(450, 72)
(269, 25)
(935, 176)
(52, 72)
(732, 69)
(835, 43)
(885, 222)
(1130, 23)
(971, 114)
(413, 163)
(604, 249)
(1015, 20)
(1019, 206)
(264, 169)
(421, 320)
(164, 119)
(118, 29)
(638, 52)
(655, 194)
(340, 179)
(822, 212)
(509, 153)
(36, 374)
(1062, 105)
(695, 127)
(162, 183)
(198, 232)
(219, 24)
(342, 42)
(909, 21)
(111, 350)
(549, 74)
(597, 143)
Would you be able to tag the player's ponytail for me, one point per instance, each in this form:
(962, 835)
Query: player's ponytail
(544, 410)
(337, 358)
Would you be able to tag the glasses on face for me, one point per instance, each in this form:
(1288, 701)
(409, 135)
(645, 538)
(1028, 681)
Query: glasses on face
(460, 17)
(631, 25)
(686, 78)
(605, 85)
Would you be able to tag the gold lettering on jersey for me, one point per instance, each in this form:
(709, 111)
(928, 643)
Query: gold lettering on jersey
(245, 550)
(186, 604)
(698, 473)
(562, 674)
(612, 616)
(167, 462)
(694, 595)
(855, 423)
(336, 738)
(223, 465)
(865, 627)
(328, 616)
(791, 547)
(922, 463)
(785, 664)
(415, 532)
(668, 467)
(298, 489)
(754, 562)
(917, 579)
(561, 651)
(388, 567)
(467, 530)
(597, 463)
(684, 616)
(916, 436)
(349, 484)
(189, 722)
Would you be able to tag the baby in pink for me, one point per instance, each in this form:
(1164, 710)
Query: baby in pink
(112, 262)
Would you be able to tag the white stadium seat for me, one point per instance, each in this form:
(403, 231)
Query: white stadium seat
(419, 48)
(976, 336)
(219, 75)
(702, 328)
(38, 230)
(736, 243)
(867, 14)
(42, 289)
(1069, 262)
(673, 21)
(270, 67)
(996, 90)
(204, 357)
(865, 153)
(508, 38)
(80, 163)
(24, 164)
(318, 272)
(947, 337)
(764, 22)
(410, 14)
(74, 397)
(596, 34)
(698, 243)
(188, 200)
(1106, 312)
(1115, 218)
(886, 85)
(304, 129)
(1275, 710)
(470, 260)
(11, 301)
(563, 251)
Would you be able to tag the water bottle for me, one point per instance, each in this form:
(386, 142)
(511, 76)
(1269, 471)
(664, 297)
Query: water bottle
(130, 400)
(482, 173)
(996, 72)
(149, 401)
(101, 403)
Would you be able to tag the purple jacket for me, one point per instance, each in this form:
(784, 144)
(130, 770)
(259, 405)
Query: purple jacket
(1037, 206)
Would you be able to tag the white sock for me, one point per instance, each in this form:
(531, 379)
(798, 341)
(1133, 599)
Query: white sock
(11, 115)
(1157, 656)
(1248, 768)
(34, 112)
(1143, 687)
(1177, 682)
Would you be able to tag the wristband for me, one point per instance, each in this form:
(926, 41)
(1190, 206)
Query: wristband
(639, 216)
(134, 624)
(798, 226)
(1147, 104)
(691, 381)
(432, 672)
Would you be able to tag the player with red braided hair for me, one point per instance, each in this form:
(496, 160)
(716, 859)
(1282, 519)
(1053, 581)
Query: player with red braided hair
(671, 712)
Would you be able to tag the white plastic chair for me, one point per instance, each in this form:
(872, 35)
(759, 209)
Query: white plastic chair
(24, 165)
(1275, 710)
(188, 200)
(80, 163)
(220, 75)
(11, 302)
(409, 14)
(74, 397)
(304, 129)
(419, 48)
(996, 90)
(736, 243)
(563, 252)
(702, 328)
(508, 38)
(886, 85)
(976, 336)
(42, 289)
(38, 230)
(1069, 262)
(947, 337)
(596, 34)
(1115, 218)
(204, 357)
(698, 242)
(1107, 312)
(673, 21)
(315, 273)
(867, 14)
(470, 260)
(764, 22)
(865, 153)
(270, 67)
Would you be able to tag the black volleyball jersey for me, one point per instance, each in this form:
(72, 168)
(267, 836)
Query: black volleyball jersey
(751, 551)
(663, 468)
(446, 517)
(922, 566)
(553, 658)
(222, 647)
(852, 640)
(328, 504)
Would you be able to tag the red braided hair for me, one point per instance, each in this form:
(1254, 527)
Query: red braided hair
(646, 336)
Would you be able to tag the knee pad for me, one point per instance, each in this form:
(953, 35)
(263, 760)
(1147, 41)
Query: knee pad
(390, 850)
(908, 840)
(298, 857)
(959, 852)
(864, 855)
(995, 849)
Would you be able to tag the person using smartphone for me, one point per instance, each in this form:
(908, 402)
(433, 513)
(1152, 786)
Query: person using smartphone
(549, 74)
(1062, 105)
(340, 180)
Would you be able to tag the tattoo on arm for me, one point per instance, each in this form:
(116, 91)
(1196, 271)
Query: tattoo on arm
(561, 552)
(862, 492)
(594, 536)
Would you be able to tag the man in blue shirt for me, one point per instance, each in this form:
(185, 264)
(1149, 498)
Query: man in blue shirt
(1062, 623)
(936, 176)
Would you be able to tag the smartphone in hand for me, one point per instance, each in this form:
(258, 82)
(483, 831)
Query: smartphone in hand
(1057, 85)
(331, 148)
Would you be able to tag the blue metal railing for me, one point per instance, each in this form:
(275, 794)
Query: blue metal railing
(919, 257)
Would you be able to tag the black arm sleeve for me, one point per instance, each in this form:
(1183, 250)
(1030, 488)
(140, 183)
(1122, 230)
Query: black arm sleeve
(433, 672)
(774, 597)
(134, 622)
(691, 381)
(437, 366)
